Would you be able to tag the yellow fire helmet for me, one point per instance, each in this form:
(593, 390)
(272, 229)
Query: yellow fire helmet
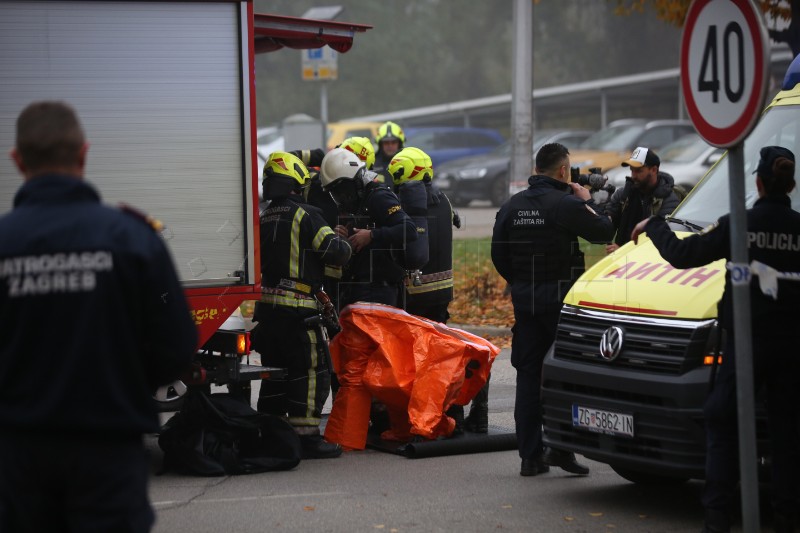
(410, 164)
(283, 174)
(390, 131)
(286, 165)
(362, 147)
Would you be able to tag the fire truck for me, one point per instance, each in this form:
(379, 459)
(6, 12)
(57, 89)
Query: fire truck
(166, 92)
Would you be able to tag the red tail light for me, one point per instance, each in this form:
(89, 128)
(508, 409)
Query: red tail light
(243, 343)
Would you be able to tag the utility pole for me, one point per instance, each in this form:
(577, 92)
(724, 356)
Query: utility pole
(522, 92)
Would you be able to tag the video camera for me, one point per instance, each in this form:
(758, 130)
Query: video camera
(598, 184)
(594, 179)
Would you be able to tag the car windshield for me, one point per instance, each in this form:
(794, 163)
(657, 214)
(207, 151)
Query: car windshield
(709, 199)
(614, 138)
(684, 150)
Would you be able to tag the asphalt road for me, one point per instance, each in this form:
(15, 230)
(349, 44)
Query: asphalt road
(368, 491)
(476, 222)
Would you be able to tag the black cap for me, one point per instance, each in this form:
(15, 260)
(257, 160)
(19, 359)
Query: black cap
(768, 156)
(642, 157)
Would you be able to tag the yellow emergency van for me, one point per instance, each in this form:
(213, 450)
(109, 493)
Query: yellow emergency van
(625, 381)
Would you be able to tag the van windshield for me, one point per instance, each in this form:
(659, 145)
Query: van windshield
(709, 199)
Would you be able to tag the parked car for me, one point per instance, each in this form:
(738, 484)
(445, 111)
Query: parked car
(687, 159)
(610, 146)
(268, 140)
(339, 131)
(569, 138)
(485, 176)
(445, 143)
(477, 177)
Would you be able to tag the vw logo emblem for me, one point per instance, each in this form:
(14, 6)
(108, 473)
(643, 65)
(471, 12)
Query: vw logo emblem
(611, 343)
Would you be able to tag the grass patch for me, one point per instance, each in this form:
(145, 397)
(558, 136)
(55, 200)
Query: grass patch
(480, 293)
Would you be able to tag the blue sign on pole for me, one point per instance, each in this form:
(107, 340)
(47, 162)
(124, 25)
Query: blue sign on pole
(320, 64)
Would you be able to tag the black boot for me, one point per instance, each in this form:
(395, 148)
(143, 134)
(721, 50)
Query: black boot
(456, 412)
(378, 418)
(533, 467)
(717, 521)
(565, 461)
(314, 447)
(478, 419)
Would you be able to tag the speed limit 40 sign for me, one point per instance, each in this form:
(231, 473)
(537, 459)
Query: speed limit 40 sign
(724, 68)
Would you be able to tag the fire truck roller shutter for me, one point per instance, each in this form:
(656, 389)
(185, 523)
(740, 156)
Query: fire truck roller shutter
(161, 91)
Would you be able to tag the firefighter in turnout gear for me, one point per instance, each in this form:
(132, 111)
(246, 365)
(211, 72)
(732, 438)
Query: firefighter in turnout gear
(378, 226)
(362, 147)
(316, 196)
(429, 291)
(296, 244)
(429, 294)
(390, 141)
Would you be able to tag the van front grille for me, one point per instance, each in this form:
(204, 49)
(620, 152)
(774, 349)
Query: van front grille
(649, 344)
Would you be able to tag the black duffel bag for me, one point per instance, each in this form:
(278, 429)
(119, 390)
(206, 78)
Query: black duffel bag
(217, 435)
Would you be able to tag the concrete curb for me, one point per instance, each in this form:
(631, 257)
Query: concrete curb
(483, 331)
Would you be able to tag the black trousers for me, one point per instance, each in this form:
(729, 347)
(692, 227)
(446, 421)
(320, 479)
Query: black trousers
(532, 336)
(365, 291)
(286, 342)
(776, 365)
(64, 484)
(436, 312)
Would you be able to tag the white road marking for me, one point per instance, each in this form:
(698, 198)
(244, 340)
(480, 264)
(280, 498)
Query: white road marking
(247, 498)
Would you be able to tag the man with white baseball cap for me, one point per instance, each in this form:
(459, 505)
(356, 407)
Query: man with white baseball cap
(647, 191)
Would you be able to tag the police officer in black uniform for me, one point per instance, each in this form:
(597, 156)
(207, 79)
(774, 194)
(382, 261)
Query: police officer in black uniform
(75, 401)
(773, 235)
(296, 244)
(378, 226)
(535, 249)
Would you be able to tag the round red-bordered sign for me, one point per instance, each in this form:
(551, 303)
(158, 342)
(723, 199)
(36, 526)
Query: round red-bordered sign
(724, 68)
